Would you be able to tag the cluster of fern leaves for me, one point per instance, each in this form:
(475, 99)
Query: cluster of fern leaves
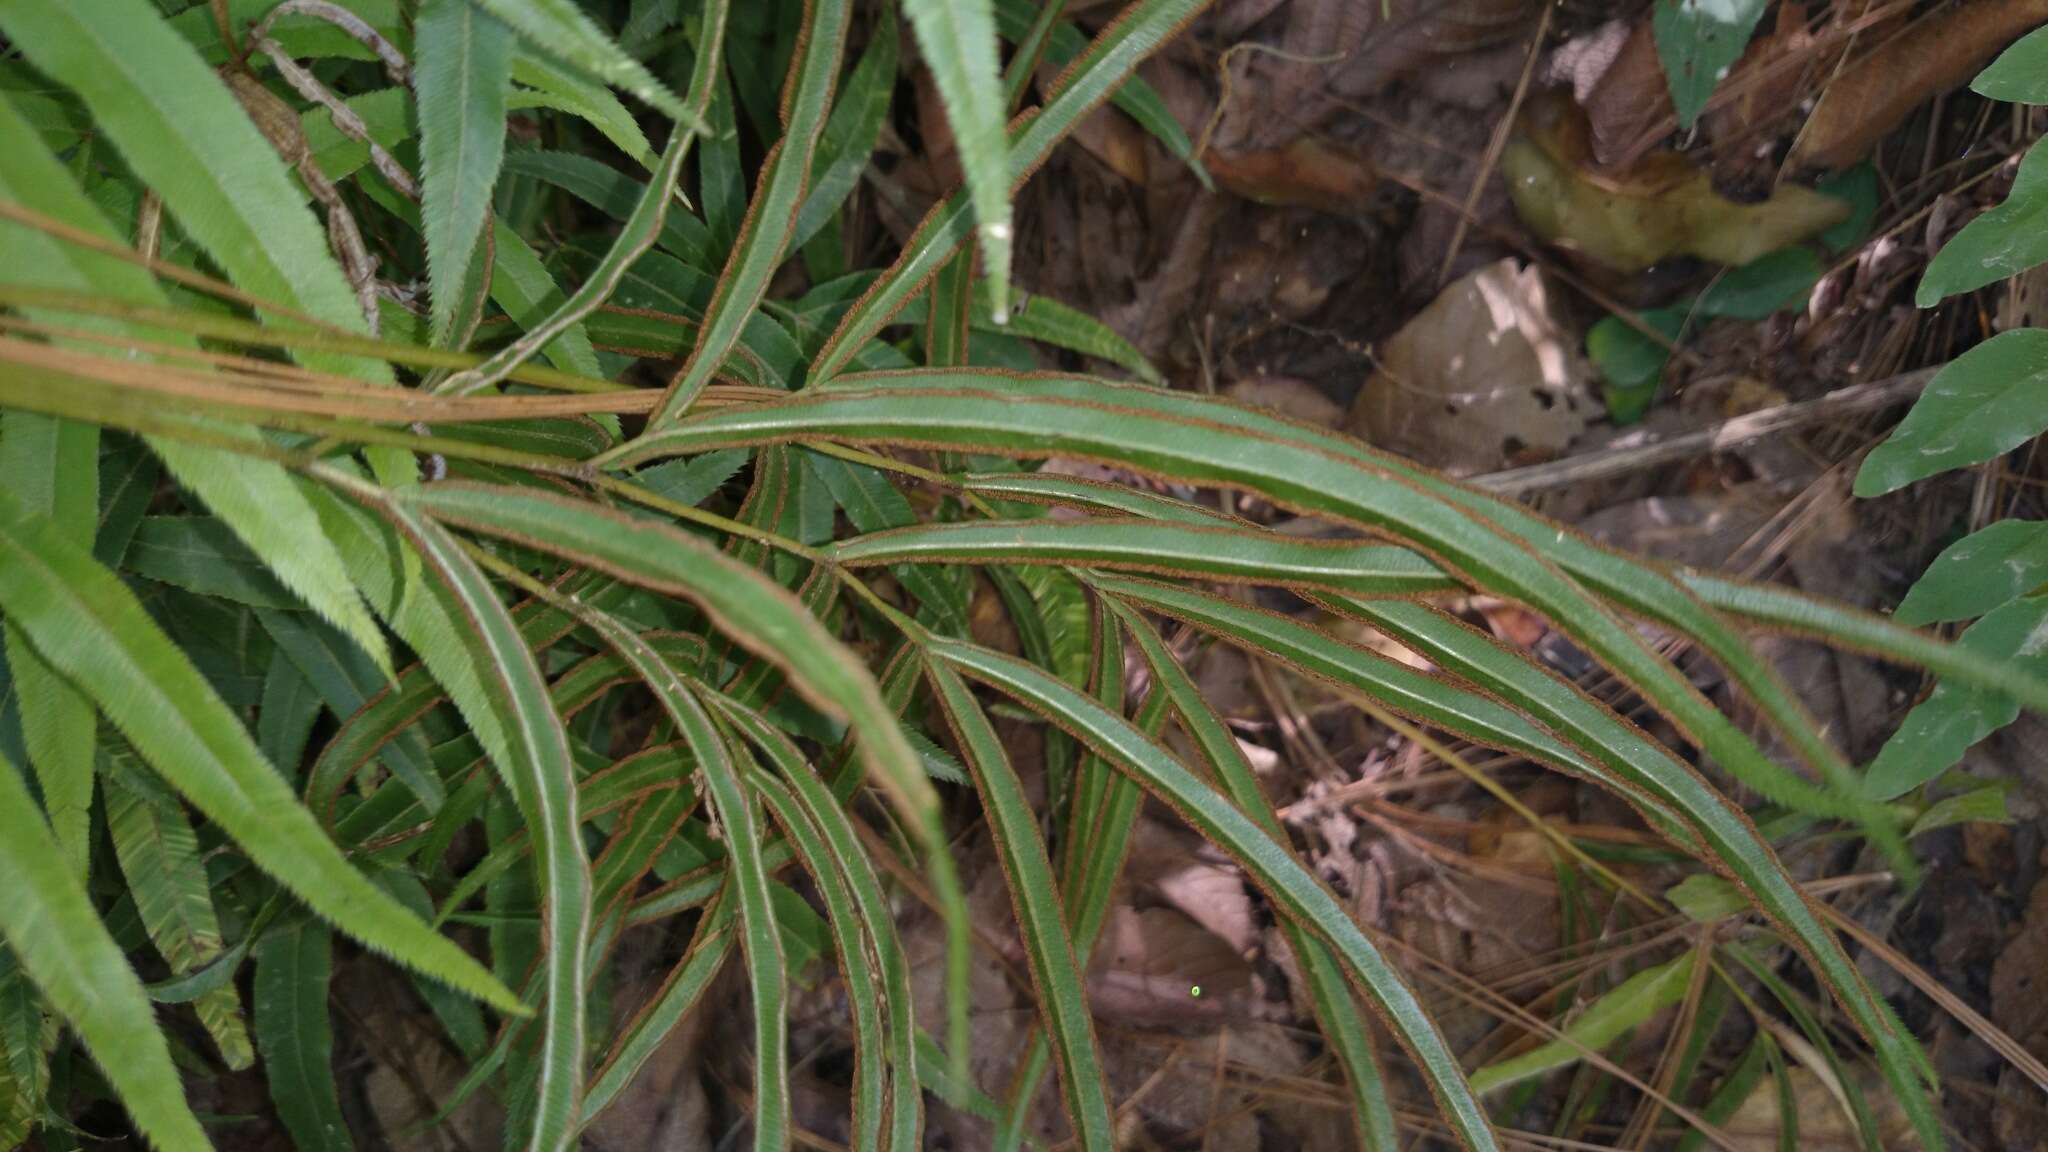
(313, 425)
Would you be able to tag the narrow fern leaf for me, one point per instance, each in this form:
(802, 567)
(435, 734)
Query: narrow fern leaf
(255, 497)
(294, 963)
(1335, 1006)
(735, 808)
(1040, 919)
(767, 620)
(52, 466)
(538, 770)
(159, 856)
(958, 41)
(849, 947)
(48, 920)
(89, 626)
(561, 29)
(1271, 865)
(899, 1037)
(642, 227)
(463, 79)
(771, 216)
(1111, 58)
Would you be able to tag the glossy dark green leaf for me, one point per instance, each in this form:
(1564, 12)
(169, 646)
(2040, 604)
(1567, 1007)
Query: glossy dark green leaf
(1984, 403)
(1936, 733)
(1698, 45)
(1978, 573)
(2003, 242)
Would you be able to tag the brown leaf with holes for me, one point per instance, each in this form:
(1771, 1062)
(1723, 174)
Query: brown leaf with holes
(1660, 207)
(1482, 378)
(1876, 93)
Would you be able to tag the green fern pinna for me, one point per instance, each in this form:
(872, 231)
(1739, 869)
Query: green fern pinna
(344, 505)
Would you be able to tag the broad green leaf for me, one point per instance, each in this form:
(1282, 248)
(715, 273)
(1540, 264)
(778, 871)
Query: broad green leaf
(160, 858)
(873, 505)
(1631, 364)
(48, 921)
(52, 467)
(1707, 898)
(2003, 242)
(957, 39)
(1978, 573)
(1767, 284)
(254, 496)
(91, 628)
(2020, 74)
(463, 77)
(1628, 1005)
(764, 235)
(1936, 733)
(294, 964)
(1041, 922)
(1698, 42)
(532, 758)
(1108, 60)
(642, 226)
(201, 554)
(1978, 806)
(563, 30)
(1986, 402)
(1271, 865)
(1858, 186)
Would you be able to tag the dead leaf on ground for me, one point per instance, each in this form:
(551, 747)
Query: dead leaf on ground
(1824, 1125)
(1155, 966)
(1306, 173)
(1660, 207)
(1482, 378)
(1289, 397)
(1876, 93)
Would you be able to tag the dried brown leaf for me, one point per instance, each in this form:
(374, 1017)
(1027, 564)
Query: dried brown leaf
(1876, 93)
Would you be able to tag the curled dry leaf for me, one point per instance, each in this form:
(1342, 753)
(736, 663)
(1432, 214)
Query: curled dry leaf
(1661, 206)
(1876, 93)
(1307, 173)
(1481, 378)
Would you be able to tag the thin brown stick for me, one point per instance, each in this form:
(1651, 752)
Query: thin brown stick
(1648, 449)
(1495, 146)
